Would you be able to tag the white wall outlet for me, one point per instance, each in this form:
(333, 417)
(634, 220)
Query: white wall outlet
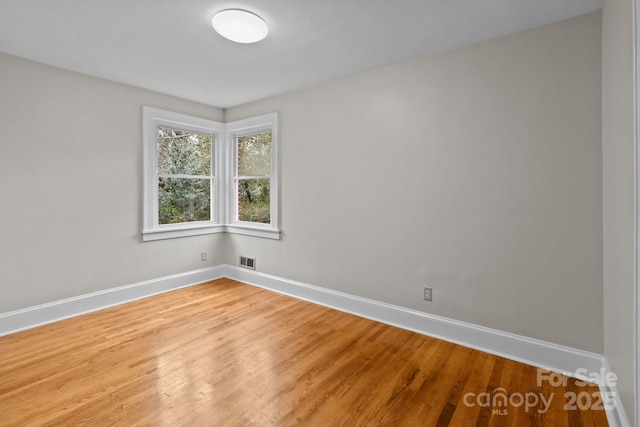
(428, 294)
(203, 256)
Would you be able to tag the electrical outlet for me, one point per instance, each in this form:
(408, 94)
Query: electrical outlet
(428, 293)
(203, 256)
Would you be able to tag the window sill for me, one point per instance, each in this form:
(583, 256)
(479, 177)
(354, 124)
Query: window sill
(172, 233)
(247, 230)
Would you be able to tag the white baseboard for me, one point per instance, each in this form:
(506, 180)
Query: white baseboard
(31, 317)
(616, 415)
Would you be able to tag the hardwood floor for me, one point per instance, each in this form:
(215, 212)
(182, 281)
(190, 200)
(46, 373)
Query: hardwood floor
(228, 354)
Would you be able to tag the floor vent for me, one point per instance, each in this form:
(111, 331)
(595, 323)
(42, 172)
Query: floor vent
(247, 262)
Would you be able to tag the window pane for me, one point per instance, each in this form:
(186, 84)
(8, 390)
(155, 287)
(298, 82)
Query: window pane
(184, 200)
(181, 152)
(254, 155)
(254, 200)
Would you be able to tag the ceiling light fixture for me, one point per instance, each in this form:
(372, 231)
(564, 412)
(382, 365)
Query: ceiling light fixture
(239, 26)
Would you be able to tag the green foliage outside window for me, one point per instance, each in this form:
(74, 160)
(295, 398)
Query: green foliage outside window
(184, 200)
(254, 200)
(184, 184)
(254, 183)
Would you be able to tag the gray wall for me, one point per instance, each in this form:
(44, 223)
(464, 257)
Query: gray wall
(71, 182)
(618, 179)
(477, 171)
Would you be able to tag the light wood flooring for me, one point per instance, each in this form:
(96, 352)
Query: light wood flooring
(229, 354)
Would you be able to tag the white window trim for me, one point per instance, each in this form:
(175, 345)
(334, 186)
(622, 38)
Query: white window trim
(152, 118)
(223, 164)
(266, 122)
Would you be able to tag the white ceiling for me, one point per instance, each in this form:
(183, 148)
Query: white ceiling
(169, 46)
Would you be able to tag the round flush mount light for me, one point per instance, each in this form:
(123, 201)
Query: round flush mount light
(239, 26)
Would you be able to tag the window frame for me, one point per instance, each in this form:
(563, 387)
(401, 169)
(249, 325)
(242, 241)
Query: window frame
(240, 128)
(152, 119)
(223, 164)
